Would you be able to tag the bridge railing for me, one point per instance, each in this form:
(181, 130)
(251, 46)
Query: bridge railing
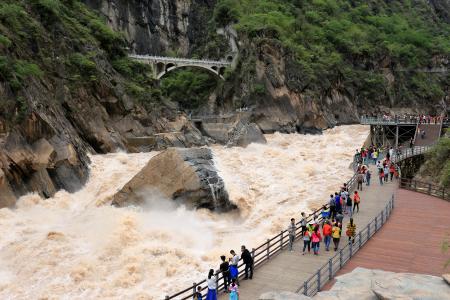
(409, 152)
(261, 254)
(425, 188)
(398, 120)
(325, 273)
(181, 60)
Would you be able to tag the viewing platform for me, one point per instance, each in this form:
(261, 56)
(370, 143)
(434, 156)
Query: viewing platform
(277, 269)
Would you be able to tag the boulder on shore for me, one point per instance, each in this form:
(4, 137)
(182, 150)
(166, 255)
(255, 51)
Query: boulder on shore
(187, 176)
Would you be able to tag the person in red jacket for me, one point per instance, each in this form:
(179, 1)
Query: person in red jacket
(327, 235)
(316, 238)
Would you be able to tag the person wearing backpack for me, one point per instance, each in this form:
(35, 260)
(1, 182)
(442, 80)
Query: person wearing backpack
(316, 238)
(336, 234)
(349, 205)
(306, 241)
(356, 200)
(332, 204)
(326, 230)
(351, 231)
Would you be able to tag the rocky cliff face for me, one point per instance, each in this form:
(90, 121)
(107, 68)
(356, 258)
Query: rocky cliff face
(158, 27)
(62, 98)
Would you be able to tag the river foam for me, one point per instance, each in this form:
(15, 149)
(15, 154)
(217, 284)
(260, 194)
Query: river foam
(76, 246)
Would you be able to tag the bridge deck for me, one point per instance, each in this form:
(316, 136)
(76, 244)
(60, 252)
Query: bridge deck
(411, 239)
(288, 270)
(432, 134)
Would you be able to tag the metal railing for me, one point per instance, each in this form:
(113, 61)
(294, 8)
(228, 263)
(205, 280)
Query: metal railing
(399, 120)
(325, 273)
(409, 152)
(260, 254)
(180, 60)
(274, 245)
(425, 188)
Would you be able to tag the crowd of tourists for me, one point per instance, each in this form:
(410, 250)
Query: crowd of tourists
(327, 229)
(411, 118)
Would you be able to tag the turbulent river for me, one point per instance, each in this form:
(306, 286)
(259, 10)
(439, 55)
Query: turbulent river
(77, 246)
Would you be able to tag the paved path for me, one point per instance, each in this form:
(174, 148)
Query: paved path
(288, 270)
(411, 239)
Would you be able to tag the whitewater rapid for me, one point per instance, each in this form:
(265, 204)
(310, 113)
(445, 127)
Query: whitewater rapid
(77, 246)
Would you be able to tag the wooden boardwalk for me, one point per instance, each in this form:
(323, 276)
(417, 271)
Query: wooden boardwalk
(287, 271)
(411, 239)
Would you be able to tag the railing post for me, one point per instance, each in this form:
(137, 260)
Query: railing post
(350, 246)
(167, 298)
(318, 280)
(305, 288)
(330, 268)
(429, 189)
(253, 255)
(194, 288)
(340, 259)
(382, 217)
(360, 240)
(268, 248)
(368, 230)
(376, 223)
(281, 241)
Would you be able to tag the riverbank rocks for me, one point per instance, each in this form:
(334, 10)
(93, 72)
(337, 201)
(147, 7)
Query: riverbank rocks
(446, 277)
(369, 284)
(187, 176)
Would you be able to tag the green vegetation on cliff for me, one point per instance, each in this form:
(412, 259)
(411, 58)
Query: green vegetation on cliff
(49, 43)
(437, 165)
(350, 43)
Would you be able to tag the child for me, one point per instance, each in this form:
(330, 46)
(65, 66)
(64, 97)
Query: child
(233, 289)
(198, 294)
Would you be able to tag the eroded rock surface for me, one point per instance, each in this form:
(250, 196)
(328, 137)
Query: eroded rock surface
(184, 175)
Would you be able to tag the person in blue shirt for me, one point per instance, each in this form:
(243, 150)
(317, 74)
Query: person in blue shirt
(337, 199)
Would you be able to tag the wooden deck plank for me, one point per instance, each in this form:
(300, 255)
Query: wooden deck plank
(411, 239)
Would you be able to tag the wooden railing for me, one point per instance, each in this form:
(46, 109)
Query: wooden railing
(260, 254)
(425, 188)
(325, 273)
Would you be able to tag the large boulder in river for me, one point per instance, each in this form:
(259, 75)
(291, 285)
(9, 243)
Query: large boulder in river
(245, 133)
(187, 176)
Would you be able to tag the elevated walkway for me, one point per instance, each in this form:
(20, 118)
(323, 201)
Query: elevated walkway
(432, 134)
(410, 241)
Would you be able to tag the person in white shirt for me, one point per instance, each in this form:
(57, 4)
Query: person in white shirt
(234, 262)
(212, 286)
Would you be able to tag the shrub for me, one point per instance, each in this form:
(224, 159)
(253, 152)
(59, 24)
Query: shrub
(12, 15)
(4, 41)
(83, 64)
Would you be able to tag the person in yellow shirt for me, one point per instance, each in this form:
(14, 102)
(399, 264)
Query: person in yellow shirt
(336, 235)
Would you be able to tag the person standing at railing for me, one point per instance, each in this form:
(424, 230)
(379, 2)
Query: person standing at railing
(234, 262)
(291, 232)
(198, 294)
(248, 261)
(225, 269)
(337, 200)
(336, 234)
(303, 222)
(332, 205)
(351, 231)
(326, 230)
(212, 286)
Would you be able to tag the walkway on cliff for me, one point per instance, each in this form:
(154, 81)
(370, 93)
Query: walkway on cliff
(287, 271)
(432, 134)
(410, 241)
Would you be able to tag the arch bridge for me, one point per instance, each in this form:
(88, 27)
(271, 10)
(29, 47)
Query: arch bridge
(162, 65)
